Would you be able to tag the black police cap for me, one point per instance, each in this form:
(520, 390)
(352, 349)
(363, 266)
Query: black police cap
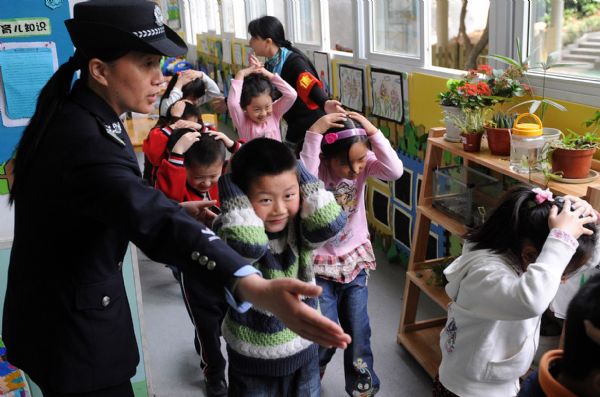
(132, 25)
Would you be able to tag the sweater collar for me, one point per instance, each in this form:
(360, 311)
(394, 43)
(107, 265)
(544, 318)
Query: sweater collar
(548, 382)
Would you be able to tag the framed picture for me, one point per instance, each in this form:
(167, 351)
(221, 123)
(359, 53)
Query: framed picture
(238, 54)
(204, 44)
(226, 51)
(352, 87)
(247, 51)
(321, 60)
(387, 95)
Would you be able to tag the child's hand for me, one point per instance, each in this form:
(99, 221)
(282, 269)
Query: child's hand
(245, 72)
(264, 72)
(186, 76)
(370, 129)
(185, 124)
(253, 61)
(331, 120)
(569, 221)
(219, 136)
(185, 142)
(333, 106)
(577, 202)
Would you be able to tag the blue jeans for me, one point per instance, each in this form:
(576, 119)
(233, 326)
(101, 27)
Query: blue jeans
(348, 304)
(302, 383)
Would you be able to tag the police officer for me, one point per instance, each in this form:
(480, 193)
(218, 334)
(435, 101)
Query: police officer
(79, 199)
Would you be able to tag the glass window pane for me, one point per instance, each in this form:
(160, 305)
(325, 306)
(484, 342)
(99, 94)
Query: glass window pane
(239, 20)
(570, 31)
(395, 27)
(213, 18)
(198, 17)
(278, 11)
(307, 17)
(455, 32)
(341, 25)
(228, 21)
(255, 9)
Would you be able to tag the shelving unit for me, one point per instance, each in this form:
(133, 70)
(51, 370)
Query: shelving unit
(421, 338)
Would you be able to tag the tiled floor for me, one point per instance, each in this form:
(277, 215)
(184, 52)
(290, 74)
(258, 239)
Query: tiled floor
(174, 365)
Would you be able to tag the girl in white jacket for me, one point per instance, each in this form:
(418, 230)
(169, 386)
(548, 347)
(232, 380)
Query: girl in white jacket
(507, 275)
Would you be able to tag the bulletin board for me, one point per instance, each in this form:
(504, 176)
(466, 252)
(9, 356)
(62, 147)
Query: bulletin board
(34, 34)
(133, 289)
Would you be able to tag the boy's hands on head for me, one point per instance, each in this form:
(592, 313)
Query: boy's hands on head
(570, 221)
(282, 298)
(185, 124)
(370, 129)
(219, 136)
(185, 142)
(333, 106)
(325, 123)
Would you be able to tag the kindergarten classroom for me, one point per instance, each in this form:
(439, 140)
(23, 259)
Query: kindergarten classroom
(389, 60)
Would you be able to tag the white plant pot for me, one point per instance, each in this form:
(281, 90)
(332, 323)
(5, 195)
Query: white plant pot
(452, 132)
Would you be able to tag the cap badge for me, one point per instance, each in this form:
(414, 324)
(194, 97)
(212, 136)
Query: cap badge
(158, 17)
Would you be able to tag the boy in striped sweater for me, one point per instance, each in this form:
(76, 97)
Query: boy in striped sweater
(275, 214)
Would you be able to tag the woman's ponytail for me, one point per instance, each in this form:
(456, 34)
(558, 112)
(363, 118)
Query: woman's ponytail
(50, 100)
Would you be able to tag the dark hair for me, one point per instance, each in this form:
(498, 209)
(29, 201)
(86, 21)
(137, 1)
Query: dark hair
(269, 27)
(251, 163)
(519, 219)
(50, 101)
(195, 88)
(255, 84)
(191, 110)
(341, 147)
(581, 354)
(205, 152)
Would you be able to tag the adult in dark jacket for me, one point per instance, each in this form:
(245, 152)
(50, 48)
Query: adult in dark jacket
(268, 40)
(66, 317)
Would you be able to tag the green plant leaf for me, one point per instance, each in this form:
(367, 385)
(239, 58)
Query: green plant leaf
(556, 105)
(534, 106)
(504, 59)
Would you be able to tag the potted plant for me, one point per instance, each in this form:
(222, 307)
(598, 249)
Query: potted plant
(471, 123)
(572, 154)
(450, 101)
(497, 131)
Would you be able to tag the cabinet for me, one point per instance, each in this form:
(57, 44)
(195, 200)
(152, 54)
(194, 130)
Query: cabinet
(421, 338)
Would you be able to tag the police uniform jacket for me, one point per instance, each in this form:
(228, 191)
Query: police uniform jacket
(67, 321)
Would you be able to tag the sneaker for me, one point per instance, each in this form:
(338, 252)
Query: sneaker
(217, 388)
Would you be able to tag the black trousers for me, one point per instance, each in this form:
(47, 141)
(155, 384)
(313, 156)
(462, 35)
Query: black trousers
(205, 302)
(122, 390)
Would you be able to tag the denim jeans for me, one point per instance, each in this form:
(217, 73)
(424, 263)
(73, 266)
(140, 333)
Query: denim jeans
(348, 304)
(302, 383)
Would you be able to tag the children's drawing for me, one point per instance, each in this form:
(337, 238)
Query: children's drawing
(387, 95)
(238, 57)
(352, 87)
(321, 60)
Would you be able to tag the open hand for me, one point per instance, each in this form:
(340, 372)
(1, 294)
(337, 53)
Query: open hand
(185, 124)
(327, 122)
(370, 129)
(219, 136)
(253, 61)
(199, 210)
(185, 142)
(333, 106)
(282, 298)
(570, 221)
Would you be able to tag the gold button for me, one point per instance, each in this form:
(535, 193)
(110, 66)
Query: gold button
(106, 301)
(203, 260)
(195, 255)
(211, 265)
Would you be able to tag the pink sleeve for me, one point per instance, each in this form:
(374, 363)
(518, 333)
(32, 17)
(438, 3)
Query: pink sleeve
(384, 164)
(237, 114)
(289, 95)
(310, 152)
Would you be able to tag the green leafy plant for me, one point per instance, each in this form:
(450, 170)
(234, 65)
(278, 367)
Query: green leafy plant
(574, 141)
(470, 121)
(502, 120)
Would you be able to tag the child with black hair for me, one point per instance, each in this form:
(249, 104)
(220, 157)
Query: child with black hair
(275, 213)
(184, 115)
(509, 272)
(344, 150)
(574, 371)
(193, 85)
(251, 105)
(191, 172)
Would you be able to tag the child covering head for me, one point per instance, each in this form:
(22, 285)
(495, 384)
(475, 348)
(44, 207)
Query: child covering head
(576, 370)
(193, 85)
(508, 273)
(275, 214)
(344, 150)
(252, 107)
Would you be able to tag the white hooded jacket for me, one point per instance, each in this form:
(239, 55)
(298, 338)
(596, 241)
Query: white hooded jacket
(492, 331)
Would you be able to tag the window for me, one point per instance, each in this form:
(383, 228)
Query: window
(255, 9)
(239, 20)
(213, 18)
(197, 19)
(570, 31)
(228, 17)
(395, 27)
(341, 29)
(458, 33)
(307, 22)
(277, 9)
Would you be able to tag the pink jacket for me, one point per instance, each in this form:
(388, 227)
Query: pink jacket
(247, 129)
(382, 162)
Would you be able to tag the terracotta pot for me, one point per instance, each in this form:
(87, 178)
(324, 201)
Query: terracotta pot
(573, 164)
(472, 141)
(498, 140)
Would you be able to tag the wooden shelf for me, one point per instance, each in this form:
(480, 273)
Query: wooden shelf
(436, 293)
(447, 222)
(424, 346)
